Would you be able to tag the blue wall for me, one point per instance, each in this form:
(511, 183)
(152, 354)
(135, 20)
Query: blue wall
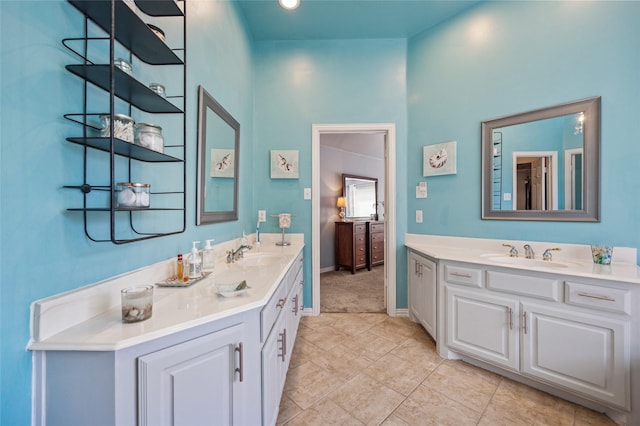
(43, 247)
(501, 58)
(495, 59)
(324, 82)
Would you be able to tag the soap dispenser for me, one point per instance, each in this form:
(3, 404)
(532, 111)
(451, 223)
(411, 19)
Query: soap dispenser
(208, 257)
(194, 262)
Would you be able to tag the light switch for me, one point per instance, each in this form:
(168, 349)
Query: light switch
(507, 196)
(418, 216)
(307, 193)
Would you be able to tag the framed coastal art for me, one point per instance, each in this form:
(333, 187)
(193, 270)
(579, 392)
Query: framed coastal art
(439, 159)
(222, 162)
(284, 164)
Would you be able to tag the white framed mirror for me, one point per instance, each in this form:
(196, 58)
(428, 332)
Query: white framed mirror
(543, 164)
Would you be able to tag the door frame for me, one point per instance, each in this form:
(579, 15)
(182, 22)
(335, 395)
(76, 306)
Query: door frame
(552, 174)
(389, 129)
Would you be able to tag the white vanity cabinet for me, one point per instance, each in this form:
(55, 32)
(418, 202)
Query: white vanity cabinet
(279, 325)
(535, 324)
(196, 382)
(422, 291)
(201, 359)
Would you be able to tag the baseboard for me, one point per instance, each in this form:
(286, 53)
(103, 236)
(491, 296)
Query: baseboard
(327, 269)
(404, 312)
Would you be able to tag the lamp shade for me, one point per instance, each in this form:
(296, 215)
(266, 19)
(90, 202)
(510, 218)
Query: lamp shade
(342, 202)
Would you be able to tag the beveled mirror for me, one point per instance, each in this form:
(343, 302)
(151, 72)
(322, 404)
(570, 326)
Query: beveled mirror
(543, 164)
(218, 162)
(362, 197)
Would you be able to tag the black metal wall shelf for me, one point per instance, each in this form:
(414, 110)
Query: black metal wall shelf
(160, 8)
(125, 149)
(123, 25)
(130, 30)
(127, 88)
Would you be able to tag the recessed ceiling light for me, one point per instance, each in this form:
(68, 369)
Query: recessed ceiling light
(289, 4)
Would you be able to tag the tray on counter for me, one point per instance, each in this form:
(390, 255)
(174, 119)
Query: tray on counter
(172, 282)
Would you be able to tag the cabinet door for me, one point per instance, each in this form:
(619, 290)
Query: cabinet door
(483, 326)
(582, 352)
(274, 353)
(193, 383)
(427, 281)
(422, 292)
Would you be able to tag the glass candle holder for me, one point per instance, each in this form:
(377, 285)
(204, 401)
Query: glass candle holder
(137, 303)
(601, 254)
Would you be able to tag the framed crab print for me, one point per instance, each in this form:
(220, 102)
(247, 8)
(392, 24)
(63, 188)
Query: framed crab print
(284, 164)
(439, 159)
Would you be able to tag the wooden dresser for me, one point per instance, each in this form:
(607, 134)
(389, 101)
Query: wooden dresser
(376, 243)
(351, 245)
(359, 245)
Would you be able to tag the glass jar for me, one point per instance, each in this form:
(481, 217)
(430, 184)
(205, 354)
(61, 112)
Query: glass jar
(137, 303)
(158, 88)
(122, 125)
(133, 195)
(123, 65)
(149, 136)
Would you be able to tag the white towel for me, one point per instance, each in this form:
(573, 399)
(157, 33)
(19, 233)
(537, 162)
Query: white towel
(284, 220)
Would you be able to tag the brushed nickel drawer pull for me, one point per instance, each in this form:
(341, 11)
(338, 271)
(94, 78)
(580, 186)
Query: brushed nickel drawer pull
(524, 321)
(458, 274)
(510, 319)
(597, 296)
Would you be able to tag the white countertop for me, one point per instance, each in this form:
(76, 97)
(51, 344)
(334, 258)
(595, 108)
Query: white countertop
(572, 259)
(90, 318)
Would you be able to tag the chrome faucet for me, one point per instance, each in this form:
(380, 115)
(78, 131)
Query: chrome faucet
(233, 255)
(528, 252)
(547, 253)
(513, 252)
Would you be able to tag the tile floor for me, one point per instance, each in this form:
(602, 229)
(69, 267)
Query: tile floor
(372, 369)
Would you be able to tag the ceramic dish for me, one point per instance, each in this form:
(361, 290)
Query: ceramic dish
(232, 289)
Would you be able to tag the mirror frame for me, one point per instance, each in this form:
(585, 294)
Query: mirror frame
(591, 159)
(344, 185)
(206, 102)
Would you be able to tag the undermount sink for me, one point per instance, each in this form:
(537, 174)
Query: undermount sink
(522, 261)
(258, 259)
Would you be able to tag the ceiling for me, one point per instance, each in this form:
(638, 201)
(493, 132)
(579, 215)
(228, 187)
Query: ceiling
(347, 19)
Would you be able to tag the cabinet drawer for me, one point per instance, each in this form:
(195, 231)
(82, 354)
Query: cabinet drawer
(540, 288)
(464, 276)
(271, 311)
(377, 238)
(360, 228)
(377, 257)
(602, 298)
(377, 227)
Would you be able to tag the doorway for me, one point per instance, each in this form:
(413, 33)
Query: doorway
(388, 130)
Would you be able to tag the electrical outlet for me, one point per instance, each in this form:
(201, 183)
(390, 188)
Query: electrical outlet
(418, 216)
(307, 193)
(262, 215)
